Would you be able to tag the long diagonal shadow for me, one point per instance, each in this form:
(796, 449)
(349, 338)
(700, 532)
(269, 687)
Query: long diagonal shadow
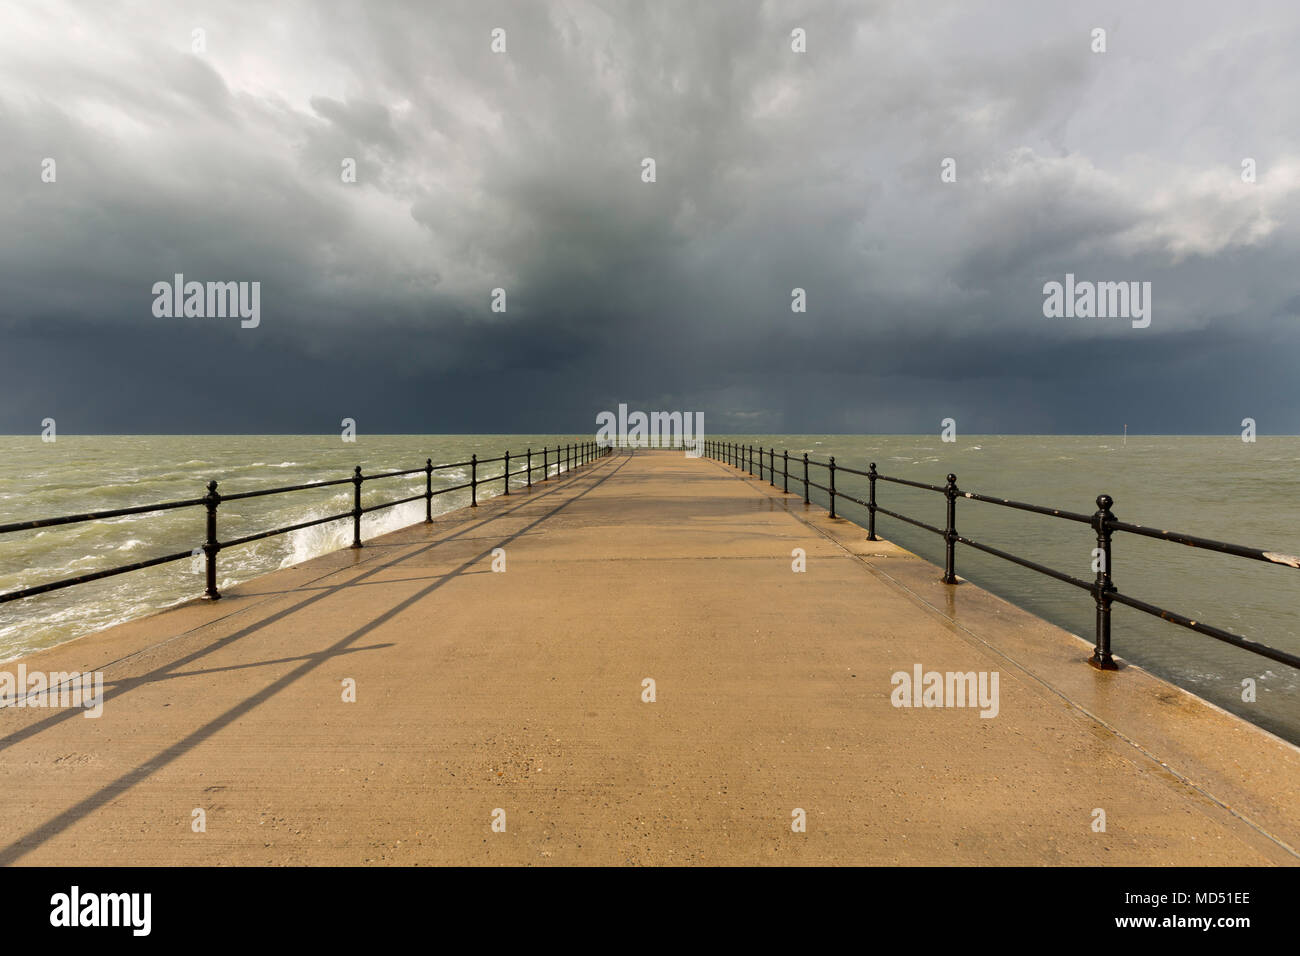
(56, 825)
(273, 661)
(126, 684)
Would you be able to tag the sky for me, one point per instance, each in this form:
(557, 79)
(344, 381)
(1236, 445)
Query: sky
(220, 155)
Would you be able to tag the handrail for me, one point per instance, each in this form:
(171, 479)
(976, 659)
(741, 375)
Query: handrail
(567, 457)
(1103, 522)
(94, 515)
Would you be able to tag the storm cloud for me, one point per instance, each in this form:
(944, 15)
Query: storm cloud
(218, 155)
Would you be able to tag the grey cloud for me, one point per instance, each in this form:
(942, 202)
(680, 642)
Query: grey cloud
(775, 170)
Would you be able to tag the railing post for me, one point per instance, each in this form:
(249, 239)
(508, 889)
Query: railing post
(546, 465)
(950, 533)
(428, 491)
(871, 504)
(356, 507)
(785, 471)
(771, 466)
(530, 467)
(473, 480)
(832, 468)
(805, 478)
(211, 547)
(1104, 586)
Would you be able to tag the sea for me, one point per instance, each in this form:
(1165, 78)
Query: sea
(1217, 487)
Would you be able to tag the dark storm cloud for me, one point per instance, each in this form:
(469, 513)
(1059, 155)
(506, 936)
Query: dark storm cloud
(521, 170)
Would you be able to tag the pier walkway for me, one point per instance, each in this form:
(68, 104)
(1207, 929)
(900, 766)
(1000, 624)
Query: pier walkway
(519, 697)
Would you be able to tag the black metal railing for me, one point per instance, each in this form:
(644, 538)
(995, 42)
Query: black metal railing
(554, 462)
(693, 446)
(1102, 521)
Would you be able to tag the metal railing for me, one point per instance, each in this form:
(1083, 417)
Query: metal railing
(566, 458)
(695, 446)
(1103, 522)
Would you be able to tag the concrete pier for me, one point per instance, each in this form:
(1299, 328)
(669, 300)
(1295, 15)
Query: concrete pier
(520, 697)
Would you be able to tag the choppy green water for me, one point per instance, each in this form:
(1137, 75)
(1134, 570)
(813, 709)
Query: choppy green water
(77, 474)
(1215, 487)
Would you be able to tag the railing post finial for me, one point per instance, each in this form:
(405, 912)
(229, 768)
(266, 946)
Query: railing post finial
(871, 503)
(356, 507)
(832, 469)
(211, 546)
(1104, 586)
(950, 533)
(428, 491)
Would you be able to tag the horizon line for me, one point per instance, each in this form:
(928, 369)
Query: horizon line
(1227, 434)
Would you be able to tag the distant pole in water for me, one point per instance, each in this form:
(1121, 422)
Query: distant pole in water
(1125, 434)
